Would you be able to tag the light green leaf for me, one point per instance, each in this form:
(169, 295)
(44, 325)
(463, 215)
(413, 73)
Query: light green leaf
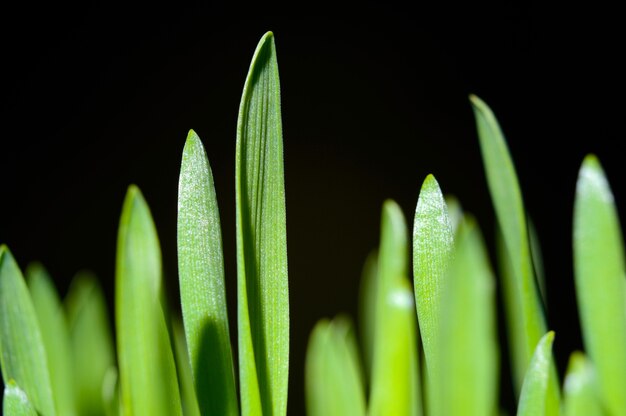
(19, 327)
(201, 277)
(599, 271)
(533, 399)
(263, 293)
(146, 363)
(185, 377)
(395, 376)
(111, 393)
(367, 306)
(525, 315)
(91, 341)
(580, 395)
(455, 212)
(15, 402)
(55, 336)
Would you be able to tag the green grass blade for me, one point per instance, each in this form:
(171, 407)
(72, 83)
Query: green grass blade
(91, 341)
(263, 294)
(533, 399)
(367, 306)
(15, 402)
(507, 200)
(580, 395)
(185, 377)
(55, 335)
(468, 381)
(537, 257)
(201, 277)
(146, 364)
(395, 376)
(455, 212)
(22, 351)
(599, 272)
(111, 393)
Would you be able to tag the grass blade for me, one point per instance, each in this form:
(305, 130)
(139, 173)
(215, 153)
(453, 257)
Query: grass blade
(55, 335)
(455, 212)
(19, 328)
(201, 277)
(185, 377)
(580, 388)
(367, 306)
(15, 402)
(111, 393)
(533, 399)
(263, 294)
(599, 272)
(147, 371)
(537, 258)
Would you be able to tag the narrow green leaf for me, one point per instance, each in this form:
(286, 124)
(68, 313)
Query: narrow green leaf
(455, 212)
(395, 378)
(91, 341)
(535, 251)
(19, 328)
(55, 336)
(580, 395)
(533, 399)
(201, 277)
(146, 364)
(599, 271)
(525, 313)
(468, 381)
(185, 377)
(367, 306)
(15, 402)
(111, 393)
(263, 294)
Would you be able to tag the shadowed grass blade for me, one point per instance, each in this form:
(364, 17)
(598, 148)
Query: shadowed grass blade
(185, 377)
(263, 294)
(599, 271)
(22, 351)
(15, 402)
(533, 399)
(201, 277)
(537, 257)
(146, 363)
(580, 395)
(55, 336)
(367, 306)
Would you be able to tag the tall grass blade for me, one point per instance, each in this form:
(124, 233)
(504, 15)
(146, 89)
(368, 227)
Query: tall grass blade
(537, 257)
(15, 402)
(185, 377)
(367, 306)
(533, 399)
(580, 395)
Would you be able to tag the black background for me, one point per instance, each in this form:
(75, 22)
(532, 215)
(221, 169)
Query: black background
(95, 98)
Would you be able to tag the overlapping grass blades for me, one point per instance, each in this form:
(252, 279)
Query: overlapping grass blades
(580, 395)
(15, 402)
(534, 395)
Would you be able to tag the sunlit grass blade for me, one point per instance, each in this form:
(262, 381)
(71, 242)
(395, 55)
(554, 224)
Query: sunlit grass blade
(263, 294)
(22, 351)
(201, 277)
(395, 380)
(91, 341)
(334, 385)
(580, 392)
(55, 335)
(533, 399)
(15, 401)
(185, 377)
(146, 364)
(537, 258)
(599, 271)
(467, 383)
(367, 306)
(525, 313)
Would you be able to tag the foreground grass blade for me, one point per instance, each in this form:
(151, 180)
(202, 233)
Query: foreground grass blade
(185, 377)
(367, 306)
(55, 336)
(599, 271)
(263, 294)
(201, 277)
(15, 402)
(525, 313)
(533, 399)
(147, 371)
(22, 351)
(91, 341)
(580, 396)
(468, 379)
(334, 386)
(395, 378)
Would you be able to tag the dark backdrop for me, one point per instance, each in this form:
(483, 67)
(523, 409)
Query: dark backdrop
(96, 98)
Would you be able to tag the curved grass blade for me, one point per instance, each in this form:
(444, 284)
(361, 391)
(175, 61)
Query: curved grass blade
(468, 379)
(537, 258)
(146, 363)
(533, 399)
(15, 402)
(599, 272)
(580, 388)
(185, 377)
(525, 313)
(263, 294)
(55, 336)
(91, 341)
(201, 277)
(367, 306)
(19, 328)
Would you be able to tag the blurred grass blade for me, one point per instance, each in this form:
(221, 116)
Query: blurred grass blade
(599, 271)
(533, 399)
(334, 385)
(367, 306)
(455, 212)
(537, 258)
(468, 381)
(185, 377)
(263, 294)
(91, 341)
(55, 336)
(524, 304)
(146, 363)
(19, 327)
(111, 393)
(395, 379)
(15, 402)
(580, 388)
(201, 277)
